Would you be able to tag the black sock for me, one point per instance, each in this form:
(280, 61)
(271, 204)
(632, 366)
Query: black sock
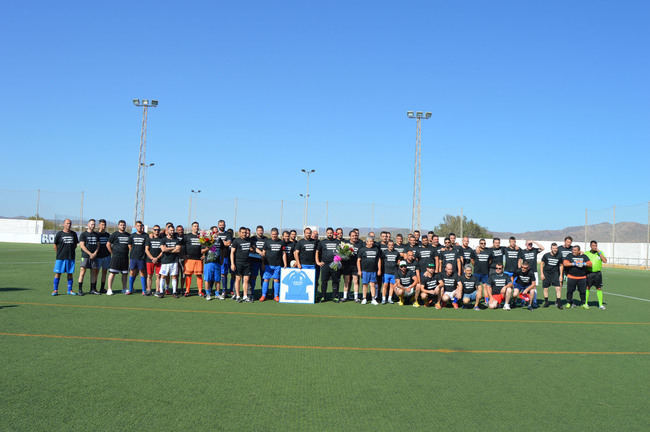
(81, 284)
(545, 299)
(103, 285)
(93, 286)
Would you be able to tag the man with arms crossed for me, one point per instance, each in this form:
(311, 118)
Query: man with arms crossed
(551, 270)
(137, 255)
(153, 255)
(368, 268)
(65, 243)
(194, 259)
(118, 246)
(169, 264)
(240, 265)
(467, 253)
(482, 268)
(89, 245)
(325, 253)
(594, 275)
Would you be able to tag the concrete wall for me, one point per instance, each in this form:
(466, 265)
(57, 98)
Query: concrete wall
(21, 230)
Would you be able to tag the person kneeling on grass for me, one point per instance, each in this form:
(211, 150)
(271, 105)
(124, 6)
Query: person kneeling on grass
(429, 285)
(406, 284)
(450, 287)
(471, 287)
(499, 288)
(525, 284)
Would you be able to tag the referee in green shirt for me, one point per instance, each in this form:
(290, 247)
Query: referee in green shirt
(594, 275)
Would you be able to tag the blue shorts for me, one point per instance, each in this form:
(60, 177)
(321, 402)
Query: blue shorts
(308, 266)
(225, 266)
(103, 263)
(212, 272)
(64, 266)
(389, 278)
(256, 267)
(482, 278)
(519, 286)
(136, 264)
(471, 296)
(368, 277)
(271, 272)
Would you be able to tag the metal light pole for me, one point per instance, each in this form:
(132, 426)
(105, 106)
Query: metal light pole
(142, 159)
(189, 216)
(306, 195)
(417, 175)
(145, 167)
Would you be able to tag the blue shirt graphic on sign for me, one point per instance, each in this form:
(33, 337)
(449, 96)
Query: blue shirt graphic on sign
(298, 283)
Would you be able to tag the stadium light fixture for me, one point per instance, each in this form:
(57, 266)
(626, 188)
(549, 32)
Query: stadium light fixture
(136, 102)
(410, 114)
(427, 115)
(154, 103)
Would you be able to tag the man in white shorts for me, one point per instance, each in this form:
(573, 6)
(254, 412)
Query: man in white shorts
(171, 248)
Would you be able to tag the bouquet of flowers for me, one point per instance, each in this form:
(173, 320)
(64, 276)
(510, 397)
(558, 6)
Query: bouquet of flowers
(207, 239)
(343, 253)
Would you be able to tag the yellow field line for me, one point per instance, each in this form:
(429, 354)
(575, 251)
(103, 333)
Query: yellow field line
(326, 348)
(290, 315)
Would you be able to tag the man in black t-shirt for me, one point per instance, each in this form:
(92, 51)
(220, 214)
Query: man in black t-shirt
(89, 245)
(467, 253)
(429, 288)
(194, 252)
(471, 287)
(482, 266)
(118, 246)
(65, 243)
(137, 263)
(565, 250)
(350, 273)
(524, 284)
(513, 257)
(575, 265)
(239, 250)
(153, 254)
(450, 255)
(497, 253)
(180, 235)
(499, 288)
(551, 271)
(368, 268)
(226, 239)
(171, 246)
(425, 255)
(274, 259)
(406, 284)
(325, 254)
(390, 258)
(103, 258)
(450, 286)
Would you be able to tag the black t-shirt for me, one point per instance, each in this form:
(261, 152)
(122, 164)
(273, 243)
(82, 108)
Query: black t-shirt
(258, 243)
(273, 252)
(579, 268)
(383, 247)
(170, 257)
(369, 257)
(289, 247)
(154, 247)
(429, 283)
(119, 243)
(242, 248)
(355, 248)
(390, 261)
(192, 246)
(450, 283)
(405, 279)
(327, 250)
(469, 283)
(564, 252)
(181, 241)
(468, 255)
(496, 256)
(512, 259)
(401, 248)
(552, 263)
(412, 266)
(482, 262)
(414, 248)
(66, 243)
(498, 281)
(449, 256)
(306, 251)
(524, 279)
(137, 243)
(91, 241)
(530, 255)
(224, 237)
(103, 239)
(425, 255)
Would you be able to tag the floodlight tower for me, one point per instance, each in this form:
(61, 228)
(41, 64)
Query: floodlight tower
(142, 160)
(306, 195)
(417, 174)
(189, 216)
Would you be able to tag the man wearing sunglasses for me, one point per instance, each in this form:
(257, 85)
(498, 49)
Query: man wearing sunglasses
(153, 254)
(499, 288)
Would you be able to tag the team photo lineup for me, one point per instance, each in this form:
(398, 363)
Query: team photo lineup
(418, 271)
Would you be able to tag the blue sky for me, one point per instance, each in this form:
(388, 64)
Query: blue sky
(540, 109)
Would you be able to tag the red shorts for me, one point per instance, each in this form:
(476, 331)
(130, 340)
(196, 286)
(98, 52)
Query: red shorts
(151, 267)
(497, 298)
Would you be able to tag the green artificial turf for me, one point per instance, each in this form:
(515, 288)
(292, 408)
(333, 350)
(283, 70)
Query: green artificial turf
(324, 367)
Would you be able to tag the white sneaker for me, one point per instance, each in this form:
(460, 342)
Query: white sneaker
(109, 292)
(364, 301)
(221, 297)
(374, 302)
(208, 298)
(602, 307)
(506, 306)
(390, 301)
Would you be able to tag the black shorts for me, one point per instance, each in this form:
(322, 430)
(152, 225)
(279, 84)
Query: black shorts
(350, 267)
(595, 279)
(576, 284)
(550, 280)
(119, 264)
(88, 263)
(327, 273)
(242, 268)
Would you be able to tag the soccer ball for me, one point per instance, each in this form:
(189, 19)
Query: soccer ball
(292, 263)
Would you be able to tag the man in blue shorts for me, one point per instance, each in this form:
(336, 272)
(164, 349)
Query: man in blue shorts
(368, 267)
(226, 239)
(471, 287)
(391, 257)
(212, 266)
(274, 259)
(525, 284)
(65, 243)
(482, 267)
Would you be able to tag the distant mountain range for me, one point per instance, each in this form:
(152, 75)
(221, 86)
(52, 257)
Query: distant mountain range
(626, 232)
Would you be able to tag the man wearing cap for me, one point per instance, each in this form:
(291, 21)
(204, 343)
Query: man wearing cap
(429, 284)
(406, 284)
(594, 275)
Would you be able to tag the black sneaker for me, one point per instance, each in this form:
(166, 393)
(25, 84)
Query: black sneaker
(546, 304)
(530, 307)
(102, 291)
(175, 295)
(344, 299)
(322, 300)
(249, 300)
(336, 300)
(161, 295)
(93, 292)
(356, 300)
(81, 293)
(559, 305)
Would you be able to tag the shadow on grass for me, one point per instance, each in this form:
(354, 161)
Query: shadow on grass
(7, 306)
(7, 289)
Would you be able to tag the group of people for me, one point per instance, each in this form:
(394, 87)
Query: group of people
(420, 271)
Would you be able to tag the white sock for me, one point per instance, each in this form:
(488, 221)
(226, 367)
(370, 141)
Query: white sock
(163, 285)
(356, 295)
(174, 285)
